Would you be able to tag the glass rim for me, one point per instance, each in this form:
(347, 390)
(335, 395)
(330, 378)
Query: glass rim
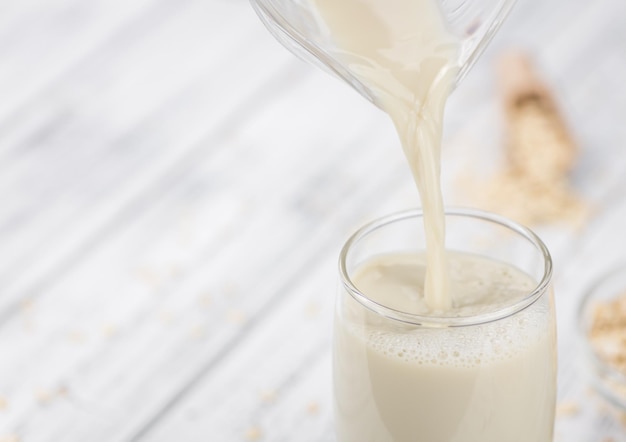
(435, 321)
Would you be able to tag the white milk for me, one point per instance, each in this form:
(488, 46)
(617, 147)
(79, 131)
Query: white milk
(393, 383)
(401, 50)
(493, 382)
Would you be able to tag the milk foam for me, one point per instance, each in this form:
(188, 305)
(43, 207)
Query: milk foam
(481, 286)
(472, 348)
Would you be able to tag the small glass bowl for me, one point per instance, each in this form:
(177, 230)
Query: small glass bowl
(608, 381)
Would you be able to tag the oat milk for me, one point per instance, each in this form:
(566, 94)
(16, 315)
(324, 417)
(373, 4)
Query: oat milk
(490, 383)
(401, 50)
(486, 383)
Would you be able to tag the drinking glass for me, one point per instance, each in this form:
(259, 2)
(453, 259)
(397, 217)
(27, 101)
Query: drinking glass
(488, 377)
(294, 24)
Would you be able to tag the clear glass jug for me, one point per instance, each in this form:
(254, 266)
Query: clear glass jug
(294, 24)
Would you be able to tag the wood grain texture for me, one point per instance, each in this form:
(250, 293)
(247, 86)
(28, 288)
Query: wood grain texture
(174, 191)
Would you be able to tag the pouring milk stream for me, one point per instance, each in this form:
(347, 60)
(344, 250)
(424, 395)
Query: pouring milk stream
(402, 51)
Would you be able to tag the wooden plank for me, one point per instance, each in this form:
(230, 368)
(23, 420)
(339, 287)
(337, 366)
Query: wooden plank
(192, 419)
(44, 40)
(116, 171)
(143, 277)
(49, 314)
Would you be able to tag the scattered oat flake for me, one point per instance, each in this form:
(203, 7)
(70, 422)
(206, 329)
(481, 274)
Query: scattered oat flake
(77, 337)
(236, 317)
(205, 300)
(312, 310)
(9, 438)
(62, 391)
(109, 330)
(253, 433)
(149, 276)
(4, 404)
(622, 418)
(313, 408)
(230, 289)
(268, 396)
(43, 396)
(567, 409)
(199, 332)
(26, 308)
(27, 305)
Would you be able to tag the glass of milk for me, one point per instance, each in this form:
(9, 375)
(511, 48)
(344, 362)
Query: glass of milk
(482, 371)
(298, 26)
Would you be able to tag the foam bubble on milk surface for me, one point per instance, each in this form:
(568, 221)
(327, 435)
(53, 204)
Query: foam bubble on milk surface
(467, 347)
(482, 285)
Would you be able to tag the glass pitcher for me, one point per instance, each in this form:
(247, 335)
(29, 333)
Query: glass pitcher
(293, 23)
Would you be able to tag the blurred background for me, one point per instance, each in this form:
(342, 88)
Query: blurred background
(175, 188)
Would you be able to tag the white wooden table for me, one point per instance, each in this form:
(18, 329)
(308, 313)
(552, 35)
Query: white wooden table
(174, 190)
